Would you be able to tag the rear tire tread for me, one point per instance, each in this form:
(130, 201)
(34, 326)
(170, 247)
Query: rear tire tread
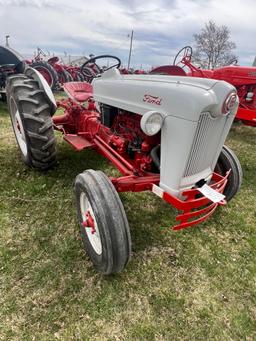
(35, 115)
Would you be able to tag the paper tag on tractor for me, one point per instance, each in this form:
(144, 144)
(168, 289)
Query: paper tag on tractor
(211, 194)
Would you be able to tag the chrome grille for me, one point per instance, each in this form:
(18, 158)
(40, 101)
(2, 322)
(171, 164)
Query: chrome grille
(205, 144)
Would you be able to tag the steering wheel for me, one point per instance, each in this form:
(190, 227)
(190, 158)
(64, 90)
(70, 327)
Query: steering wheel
(92, 63)
(184, 55)
(233, 62)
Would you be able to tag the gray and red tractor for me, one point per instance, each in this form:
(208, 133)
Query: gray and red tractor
(163, 134)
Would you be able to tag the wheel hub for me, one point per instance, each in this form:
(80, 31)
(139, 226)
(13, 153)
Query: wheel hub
(89, 222)
(19, 131)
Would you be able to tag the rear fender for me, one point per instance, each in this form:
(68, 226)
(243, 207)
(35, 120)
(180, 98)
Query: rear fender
(43, 85)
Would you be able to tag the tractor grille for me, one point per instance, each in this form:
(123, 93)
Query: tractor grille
(205, 145)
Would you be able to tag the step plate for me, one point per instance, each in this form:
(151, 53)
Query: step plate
(78, 142)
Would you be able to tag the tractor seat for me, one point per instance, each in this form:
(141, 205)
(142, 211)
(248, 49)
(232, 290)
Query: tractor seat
(78, 91)
(170, 70)
(53, 60)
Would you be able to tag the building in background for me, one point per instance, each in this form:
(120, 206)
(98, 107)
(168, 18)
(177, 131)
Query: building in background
(73, 60)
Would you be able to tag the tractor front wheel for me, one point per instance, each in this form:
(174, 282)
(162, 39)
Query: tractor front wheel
(103, 223)
(31, 120)
(229, 161)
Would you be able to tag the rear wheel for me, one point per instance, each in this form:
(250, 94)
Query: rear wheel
(48, 73)
(103, 223)
(69, 76)
(79, 76)
(88, 74)
(63, 77)
(31, 120)
(228, 160)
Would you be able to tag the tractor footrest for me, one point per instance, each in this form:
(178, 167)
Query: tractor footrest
(78, 142)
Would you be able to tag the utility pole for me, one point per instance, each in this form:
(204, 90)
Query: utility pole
(130, 51)
(7, 41)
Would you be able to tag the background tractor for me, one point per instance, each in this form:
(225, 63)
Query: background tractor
(45, 68)
(90, 69)
(10, 63)
(243, 78)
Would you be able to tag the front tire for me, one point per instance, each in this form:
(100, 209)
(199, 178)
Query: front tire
(103, 223)
(31, 120)
(228, 160)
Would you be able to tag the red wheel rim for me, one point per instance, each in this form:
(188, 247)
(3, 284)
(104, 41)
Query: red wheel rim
(46, 74)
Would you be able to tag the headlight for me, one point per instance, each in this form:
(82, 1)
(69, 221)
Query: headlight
(151, 122)
(229, 103)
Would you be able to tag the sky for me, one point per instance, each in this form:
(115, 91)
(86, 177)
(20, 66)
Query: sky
(161, 27)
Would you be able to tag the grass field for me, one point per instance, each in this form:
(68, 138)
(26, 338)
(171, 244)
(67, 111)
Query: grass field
(196, 284)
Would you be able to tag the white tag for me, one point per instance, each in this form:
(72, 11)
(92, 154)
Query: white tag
(157, 190)
(210, 193)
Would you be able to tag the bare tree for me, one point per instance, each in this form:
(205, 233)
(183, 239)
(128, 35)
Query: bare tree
(214, 46)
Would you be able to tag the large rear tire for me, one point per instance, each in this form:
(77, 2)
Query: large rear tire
(103, 223)
(228, 160)
(31, 120)
(64, 77)
(48, 72)
(79, 77)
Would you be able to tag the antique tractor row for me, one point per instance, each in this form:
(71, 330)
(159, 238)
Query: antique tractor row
(163, 134)
(54, 72)
(57, 73)
(243, 78)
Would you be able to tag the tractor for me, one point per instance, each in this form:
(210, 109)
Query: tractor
(10, 63)
(163, 134)
(45, 68)
(243, 78)
(90, 69)
(66, 73)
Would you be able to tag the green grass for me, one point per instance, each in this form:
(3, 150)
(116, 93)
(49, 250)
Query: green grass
(196, 284)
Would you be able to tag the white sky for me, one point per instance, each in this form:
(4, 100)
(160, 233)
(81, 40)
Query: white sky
(161, 27)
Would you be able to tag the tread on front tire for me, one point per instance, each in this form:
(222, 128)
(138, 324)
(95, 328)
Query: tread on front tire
(31, 121)
(109, 246)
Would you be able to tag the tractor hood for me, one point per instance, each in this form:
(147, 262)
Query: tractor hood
(9, 56)
(182, 97)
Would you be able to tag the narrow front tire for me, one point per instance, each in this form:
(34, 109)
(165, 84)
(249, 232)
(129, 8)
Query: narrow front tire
(103, 223)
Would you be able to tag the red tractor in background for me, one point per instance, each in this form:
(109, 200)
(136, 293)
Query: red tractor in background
(242, 77)
(45, 68)
(55, 72)
(66, 73)
(90, 69)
